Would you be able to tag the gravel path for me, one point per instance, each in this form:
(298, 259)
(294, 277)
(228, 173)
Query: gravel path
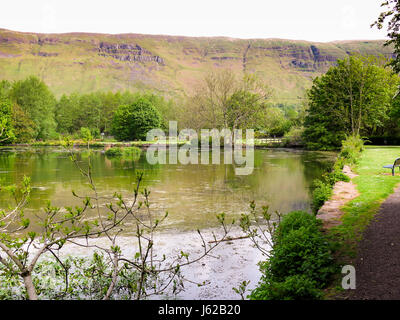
(378, 262)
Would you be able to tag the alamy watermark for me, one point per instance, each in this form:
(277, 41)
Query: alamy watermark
(236, 150)
(349, 280)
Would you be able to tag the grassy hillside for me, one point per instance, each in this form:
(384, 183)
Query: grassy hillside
(169, 64)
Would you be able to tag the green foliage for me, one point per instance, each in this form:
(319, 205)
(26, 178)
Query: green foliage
(7, 134)
(374, 186)
(224, 100)
(36, 100)
(351, 149)
(96, 110)
(23, 125)
(88, 278)
(294, 137)
(243, 109)
(132, 122)
(352, 98)
(349, 154)
(297, 287)
(114, 152)
(334, 176)
(128, 153)
(132, 152)
(85, 134)
(322, 192)
(273, 121)
(391, 16)
(300, 263)
(294, 221)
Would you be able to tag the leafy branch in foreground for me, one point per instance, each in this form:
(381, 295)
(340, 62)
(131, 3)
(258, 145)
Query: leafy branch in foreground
(260, 228)
(99, 219)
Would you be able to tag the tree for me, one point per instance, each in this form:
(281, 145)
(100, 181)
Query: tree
(6, 128)
(23, 126)
(132, 122)
(36, 100)
(352, 98)
(273, 122)
(392, 17)
(68, 113)
(223, 101)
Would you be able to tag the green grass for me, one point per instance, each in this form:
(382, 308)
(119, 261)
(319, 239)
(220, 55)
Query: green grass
(374, 184)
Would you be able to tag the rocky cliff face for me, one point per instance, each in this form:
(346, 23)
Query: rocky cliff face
(128, 52)
(170, 64)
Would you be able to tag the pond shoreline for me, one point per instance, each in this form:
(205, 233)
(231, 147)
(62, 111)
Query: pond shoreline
(259, 143)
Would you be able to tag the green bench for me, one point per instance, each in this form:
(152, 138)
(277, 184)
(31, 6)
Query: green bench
(394, 165)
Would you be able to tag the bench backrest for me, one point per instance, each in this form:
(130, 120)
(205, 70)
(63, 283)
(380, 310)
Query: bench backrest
(396, 162)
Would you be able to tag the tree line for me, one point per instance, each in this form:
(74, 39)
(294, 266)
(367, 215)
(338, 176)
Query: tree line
(29, 111)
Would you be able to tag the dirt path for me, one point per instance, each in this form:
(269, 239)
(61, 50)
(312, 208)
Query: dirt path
(378, 261)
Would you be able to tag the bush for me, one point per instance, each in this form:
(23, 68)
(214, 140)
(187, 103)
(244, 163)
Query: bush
(114, 152)
(335, 176)
(294, 221)
(133, 122)
(302, 251)
(351, 149)
(128, 153)
(131, 152)
(294, 138)
(301, 261)
(322, 192)
(296, 287)
(85, 134)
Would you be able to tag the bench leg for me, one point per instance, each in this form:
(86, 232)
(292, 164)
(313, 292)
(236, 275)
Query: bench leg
(393, 172)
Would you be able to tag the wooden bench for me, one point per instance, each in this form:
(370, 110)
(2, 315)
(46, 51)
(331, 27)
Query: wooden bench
(394, 165)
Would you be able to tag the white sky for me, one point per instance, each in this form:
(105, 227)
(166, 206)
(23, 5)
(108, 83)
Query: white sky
(314, 20)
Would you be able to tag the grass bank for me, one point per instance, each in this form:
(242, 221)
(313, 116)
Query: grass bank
(374, 184)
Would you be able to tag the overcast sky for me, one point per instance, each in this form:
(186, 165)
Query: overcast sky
(314, 20)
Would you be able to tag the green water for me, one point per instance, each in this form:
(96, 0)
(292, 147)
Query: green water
(192, 194)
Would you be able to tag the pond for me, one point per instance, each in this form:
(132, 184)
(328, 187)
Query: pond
(192, 194)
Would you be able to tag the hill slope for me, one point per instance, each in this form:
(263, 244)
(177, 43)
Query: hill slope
(169, 64)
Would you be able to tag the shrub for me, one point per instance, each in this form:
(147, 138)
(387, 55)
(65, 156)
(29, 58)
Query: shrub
(294, 221)
(114, 152)
(131, 152)
(352, 147)
(335, 176)
(303, 251)
(300, 263)
(296, 287)
(6, 127)
(322, 192)
(85, 134)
